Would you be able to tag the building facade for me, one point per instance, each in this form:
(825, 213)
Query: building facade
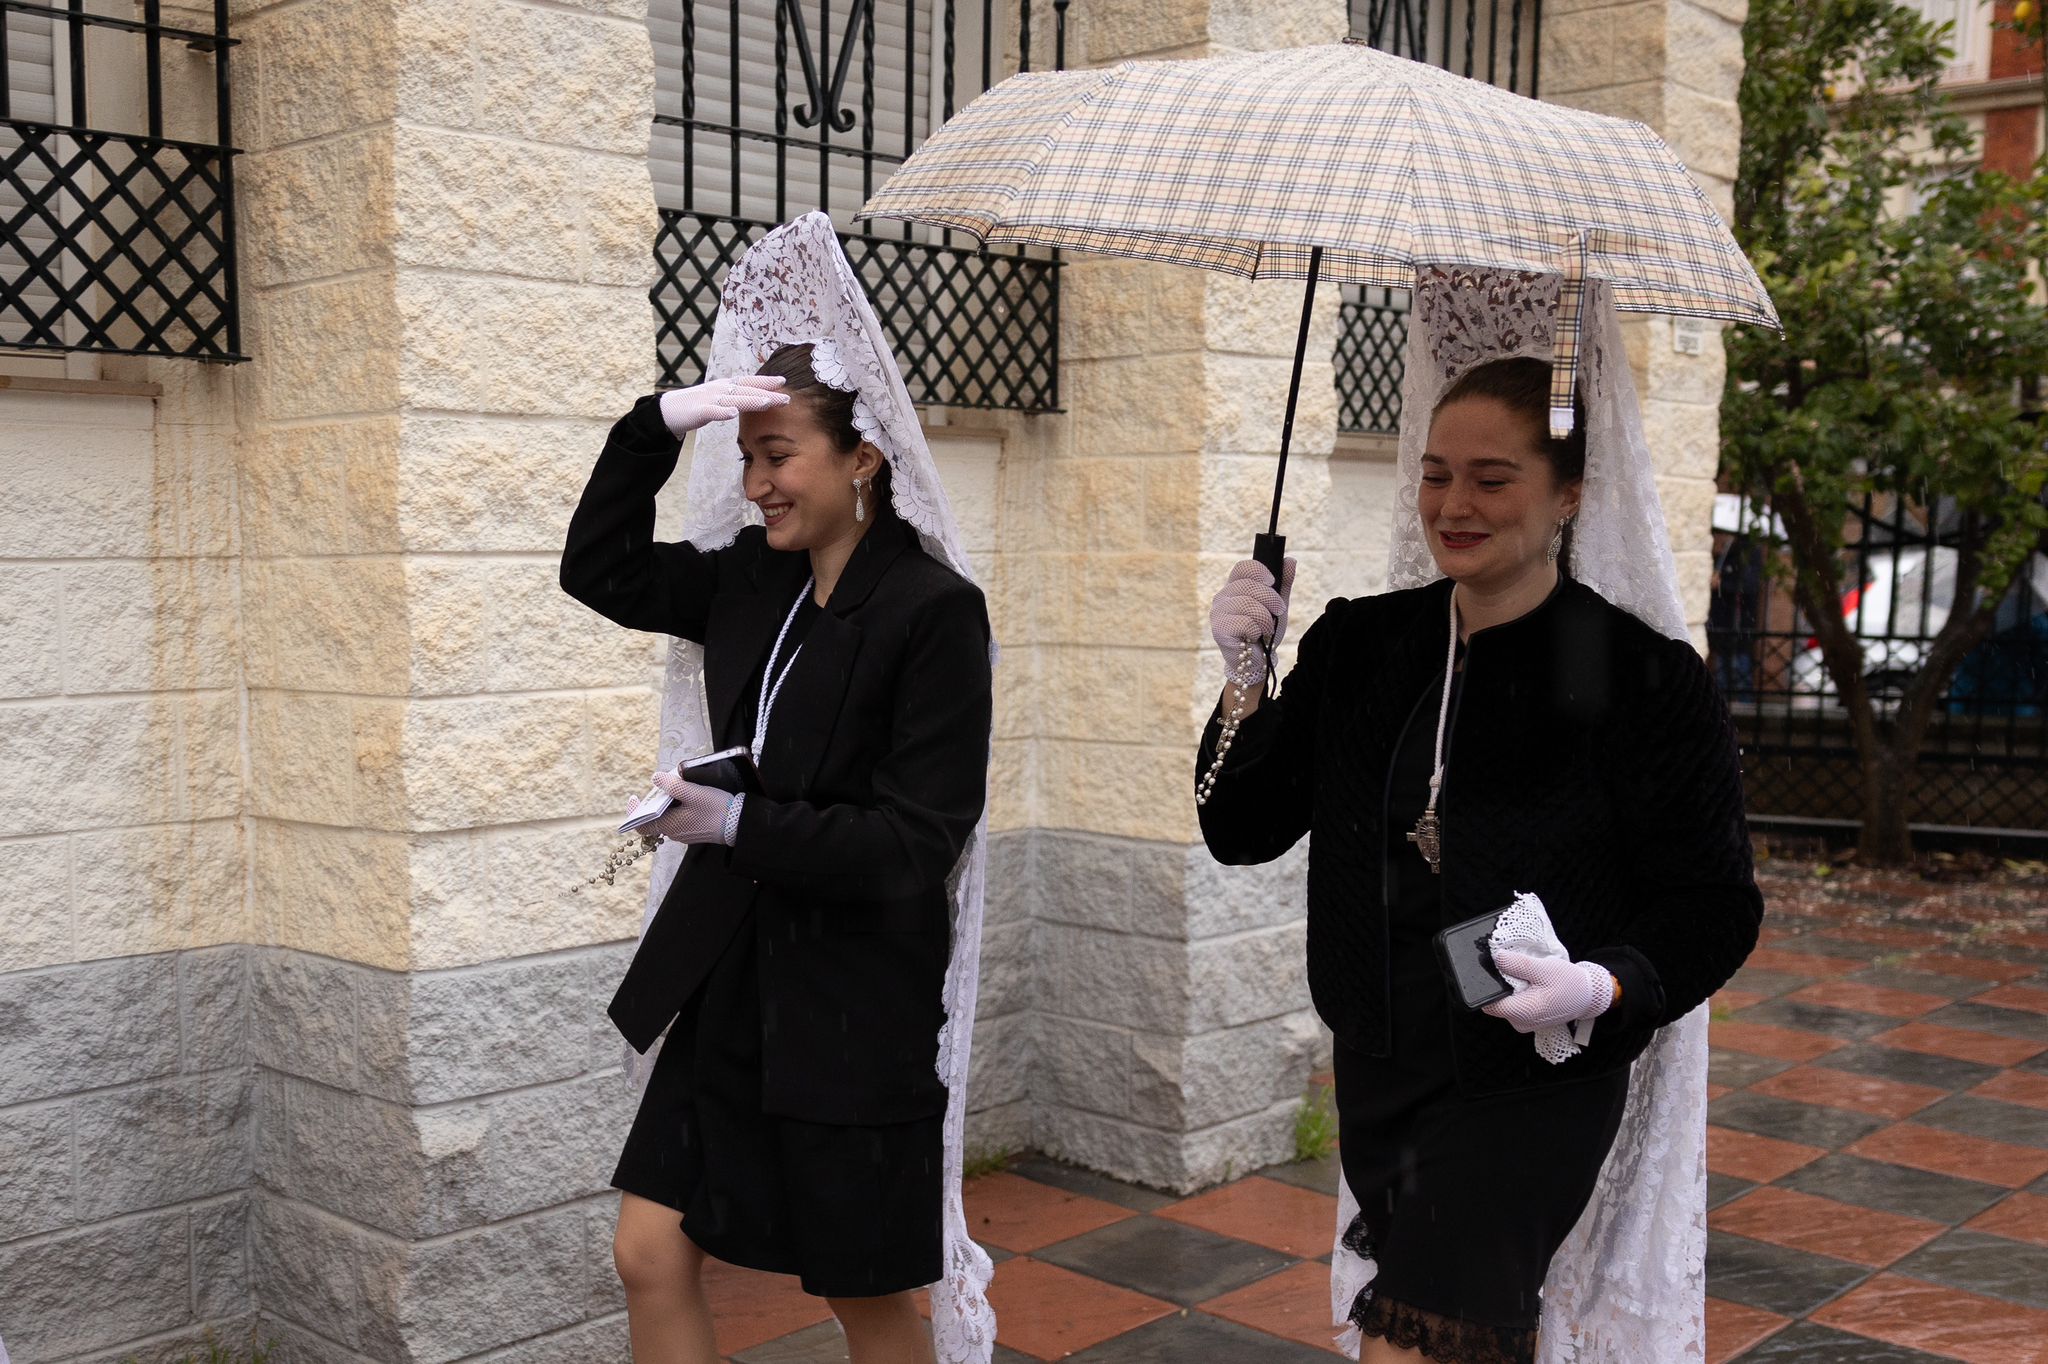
(301, 1009)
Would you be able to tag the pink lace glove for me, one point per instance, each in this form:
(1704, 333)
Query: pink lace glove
(701, 814)
(686, 409)
(1246, 611)
(1560, 992)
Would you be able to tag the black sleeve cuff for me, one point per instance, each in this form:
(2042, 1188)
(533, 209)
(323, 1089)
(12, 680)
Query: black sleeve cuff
(643, 432)
(1641, 1005)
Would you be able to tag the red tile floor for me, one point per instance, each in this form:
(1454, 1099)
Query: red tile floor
(1878, 1154)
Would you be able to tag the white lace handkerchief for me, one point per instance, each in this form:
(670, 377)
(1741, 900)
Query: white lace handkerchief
(1524, 927)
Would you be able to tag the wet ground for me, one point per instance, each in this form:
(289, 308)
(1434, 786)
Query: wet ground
(1878, 1156)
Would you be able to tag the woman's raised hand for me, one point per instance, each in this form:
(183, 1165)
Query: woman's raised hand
(1248, 610)
(686, 409)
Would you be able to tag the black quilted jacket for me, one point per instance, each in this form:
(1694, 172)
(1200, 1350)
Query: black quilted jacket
(1589, 760)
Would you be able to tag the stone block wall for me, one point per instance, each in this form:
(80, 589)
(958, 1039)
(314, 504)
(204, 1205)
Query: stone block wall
(1677, 66)
(125, 1117)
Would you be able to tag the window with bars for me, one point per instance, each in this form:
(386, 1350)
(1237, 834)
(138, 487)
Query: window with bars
(766, 109)
(1490, 40)
(116, 182)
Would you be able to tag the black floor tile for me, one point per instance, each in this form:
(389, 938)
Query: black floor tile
(825, 1343)
(1920, 982)
(2015, 1123)
(1894, 1188)
(1725, 1188)
(2037, 1064)
(1979, 1263)
(1821, 945)
(1818, 1018)
(1913, 1067)
(1790, 1120)
(1165, 1259)
(1758, 981)
(1805, 1343)
(1197, 1336)
(1738, 1069)
(996, 1254)
(1788, 1282)
(1990, 1018)
(1076, 1180)
(1317, 1176)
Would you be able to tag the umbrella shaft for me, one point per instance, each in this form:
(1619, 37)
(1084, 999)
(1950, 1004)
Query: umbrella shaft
(1308, 305)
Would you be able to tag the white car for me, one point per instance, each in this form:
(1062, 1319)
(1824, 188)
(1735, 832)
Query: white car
(1904, 603)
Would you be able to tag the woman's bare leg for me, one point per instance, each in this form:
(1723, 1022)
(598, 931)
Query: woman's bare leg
(1376, 1350)
(885, 1330)
(666, 1314)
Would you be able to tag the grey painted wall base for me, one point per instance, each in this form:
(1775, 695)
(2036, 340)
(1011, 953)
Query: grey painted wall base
(386, 1168)
(1159, 1020)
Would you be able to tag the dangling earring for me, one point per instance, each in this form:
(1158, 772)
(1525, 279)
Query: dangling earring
(1557, 539)
(860, 510)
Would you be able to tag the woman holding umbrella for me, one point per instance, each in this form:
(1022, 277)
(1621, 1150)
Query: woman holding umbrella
(1522, 725)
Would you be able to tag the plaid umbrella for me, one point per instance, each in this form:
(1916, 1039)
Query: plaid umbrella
(1340, 161)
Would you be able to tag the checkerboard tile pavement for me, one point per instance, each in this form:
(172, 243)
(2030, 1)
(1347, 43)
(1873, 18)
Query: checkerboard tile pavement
(1878, 1156)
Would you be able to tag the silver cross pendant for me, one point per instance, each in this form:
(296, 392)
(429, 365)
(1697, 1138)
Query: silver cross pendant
(1428, 840)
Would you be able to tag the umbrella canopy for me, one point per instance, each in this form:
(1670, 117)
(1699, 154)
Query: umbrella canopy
(1247, 163)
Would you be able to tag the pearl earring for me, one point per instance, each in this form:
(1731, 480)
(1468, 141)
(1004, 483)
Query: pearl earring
(860, 511)
(1557, 539)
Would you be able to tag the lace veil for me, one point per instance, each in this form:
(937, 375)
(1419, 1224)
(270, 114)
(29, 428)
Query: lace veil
(1629, 1283)
(795, 286)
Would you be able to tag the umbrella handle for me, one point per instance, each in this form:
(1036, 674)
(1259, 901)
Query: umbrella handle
(1270, 551)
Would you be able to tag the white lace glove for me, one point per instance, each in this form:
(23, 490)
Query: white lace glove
(701, 814)
(686, 409)
(1247, 611)
(1559, 992)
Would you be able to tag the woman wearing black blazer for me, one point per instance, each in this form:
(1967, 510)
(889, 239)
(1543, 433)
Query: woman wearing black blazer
(794, 1117)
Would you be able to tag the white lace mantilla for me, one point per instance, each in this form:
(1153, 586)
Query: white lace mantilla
(795, 286)
(1629, 1283)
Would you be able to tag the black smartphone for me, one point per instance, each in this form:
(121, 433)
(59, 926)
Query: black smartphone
(729, 769)
(1467, 957)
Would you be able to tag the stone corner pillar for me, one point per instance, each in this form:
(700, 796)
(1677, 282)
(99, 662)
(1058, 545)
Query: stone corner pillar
(446, 234)
(1677, 66)
(1170, 1032)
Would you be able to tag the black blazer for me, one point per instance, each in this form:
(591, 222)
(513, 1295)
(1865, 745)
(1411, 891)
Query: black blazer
(1589, 760)
(874, 774)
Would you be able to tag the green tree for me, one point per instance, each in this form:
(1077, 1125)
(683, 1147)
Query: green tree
(1910, 334)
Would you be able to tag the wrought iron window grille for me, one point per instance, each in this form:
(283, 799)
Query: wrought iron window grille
(1491, 40)
(1984, 762)
(760, 117)
(114, 240)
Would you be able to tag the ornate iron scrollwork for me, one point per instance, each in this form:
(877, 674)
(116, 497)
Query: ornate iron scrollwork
(809, 115)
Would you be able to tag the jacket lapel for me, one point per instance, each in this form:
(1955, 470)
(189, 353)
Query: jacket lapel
(807, 710)
(741, 628)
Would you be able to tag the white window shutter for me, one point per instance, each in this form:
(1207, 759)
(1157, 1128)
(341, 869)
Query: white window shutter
(32, 96)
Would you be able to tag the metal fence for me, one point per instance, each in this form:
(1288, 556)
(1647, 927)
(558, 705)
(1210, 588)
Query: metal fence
(1985, 763)
(117, 232)
(759, 116)
(1487, 40)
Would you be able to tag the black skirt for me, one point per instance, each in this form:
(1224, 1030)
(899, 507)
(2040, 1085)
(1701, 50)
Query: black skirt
(1462, 1200)
(853, 1212)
